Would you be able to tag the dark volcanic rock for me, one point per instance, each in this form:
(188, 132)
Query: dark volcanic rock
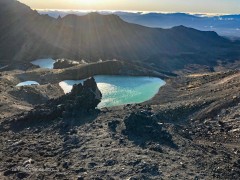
(142, 127)
(64, 63)
(113, 125)
(82, 100)
(22, 175)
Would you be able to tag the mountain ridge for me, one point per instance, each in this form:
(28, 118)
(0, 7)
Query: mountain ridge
(225, 25)
(96, 36)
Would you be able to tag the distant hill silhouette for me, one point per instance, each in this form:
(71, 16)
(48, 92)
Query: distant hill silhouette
(224, 25)
(26, 35)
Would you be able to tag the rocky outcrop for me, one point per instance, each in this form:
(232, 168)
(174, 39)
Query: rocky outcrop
(64, 63)
(143, 126)
(82, 98)
(81, 101)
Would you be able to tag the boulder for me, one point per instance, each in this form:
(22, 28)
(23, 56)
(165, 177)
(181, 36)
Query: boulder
(64, 63)
(145, 127)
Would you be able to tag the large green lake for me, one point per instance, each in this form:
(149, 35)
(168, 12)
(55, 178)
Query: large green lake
(120, 90)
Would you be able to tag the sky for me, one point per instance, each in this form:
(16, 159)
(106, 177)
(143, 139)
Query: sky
(192, 6)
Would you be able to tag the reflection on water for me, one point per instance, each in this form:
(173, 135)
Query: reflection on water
(119, 90)
(44, 63)
(27, 83)
(68, 84)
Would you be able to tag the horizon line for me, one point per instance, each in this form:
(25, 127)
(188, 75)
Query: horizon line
(140, 12)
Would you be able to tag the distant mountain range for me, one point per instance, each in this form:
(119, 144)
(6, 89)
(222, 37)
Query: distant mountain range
(225, 25)
(26, 35)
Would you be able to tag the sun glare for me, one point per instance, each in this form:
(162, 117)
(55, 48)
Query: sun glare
(89, 2)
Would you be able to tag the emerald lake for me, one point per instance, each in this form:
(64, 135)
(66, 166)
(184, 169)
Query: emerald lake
(120, 90)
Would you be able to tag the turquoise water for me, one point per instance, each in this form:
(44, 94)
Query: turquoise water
(27, 83)
(44, 63)
(120, 90)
